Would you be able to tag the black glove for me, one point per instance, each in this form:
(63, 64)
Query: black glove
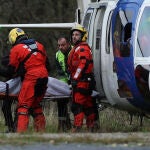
(73, 83)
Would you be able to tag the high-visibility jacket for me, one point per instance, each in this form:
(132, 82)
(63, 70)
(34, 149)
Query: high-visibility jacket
(61, 66)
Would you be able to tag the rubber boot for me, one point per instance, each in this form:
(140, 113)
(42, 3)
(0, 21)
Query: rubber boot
(76, 129)
(90, 120)
(78, 122)
(23, 119)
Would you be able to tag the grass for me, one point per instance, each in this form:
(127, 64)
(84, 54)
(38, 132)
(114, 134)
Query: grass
(111, 120)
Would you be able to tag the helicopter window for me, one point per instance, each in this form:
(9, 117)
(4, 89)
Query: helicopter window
(87, 19)
(125, 45)
(117, 36)
(143, 42)
(127, 31)
(98, 36)
(124, 90)
(108, 33)
(141, 76)
(122, 33)
(99, 21)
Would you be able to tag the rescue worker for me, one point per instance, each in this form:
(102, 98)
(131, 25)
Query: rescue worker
(80, 66)
(27, 59)
(7, 102)
(64, 48)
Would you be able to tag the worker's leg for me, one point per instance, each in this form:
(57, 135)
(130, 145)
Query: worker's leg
(77, 110)
(23, 118)
(6, 109)
(90, 110)
(97, 120)
(25, 100)
(63, 116)
(39, 119)
(39, 92)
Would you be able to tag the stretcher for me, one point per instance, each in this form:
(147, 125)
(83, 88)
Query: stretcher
(56, 89)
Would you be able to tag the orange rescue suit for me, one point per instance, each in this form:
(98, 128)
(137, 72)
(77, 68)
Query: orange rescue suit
(35, 70)
(80, 67)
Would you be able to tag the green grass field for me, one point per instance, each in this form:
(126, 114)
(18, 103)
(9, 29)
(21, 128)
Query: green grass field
(113, 124)
(111, 120)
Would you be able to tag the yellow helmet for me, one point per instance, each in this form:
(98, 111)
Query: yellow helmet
(14, 34)
(83, 31)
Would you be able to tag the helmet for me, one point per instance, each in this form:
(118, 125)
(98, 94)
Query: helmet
(14, 35)
(83, 31)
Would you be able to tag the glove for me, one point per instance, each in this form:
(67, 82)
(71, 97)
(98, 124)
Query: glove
(73, 83)
(70, 86)
(69, 82)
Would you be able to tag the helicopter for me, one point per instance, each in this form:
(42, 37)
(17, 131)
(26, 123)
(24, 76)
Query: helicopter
(118, 36)
(118, 32)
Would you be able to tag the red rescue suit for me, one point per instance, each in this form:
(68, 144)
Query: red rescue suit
(80, 66)
(35, 71)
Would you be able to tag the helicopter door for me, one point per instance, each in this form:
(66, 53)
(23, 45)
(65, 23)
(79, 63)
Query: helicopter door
(123, 53)
(97, 49)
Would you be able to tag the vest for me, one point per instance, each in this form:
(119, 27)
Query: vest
(61, 64)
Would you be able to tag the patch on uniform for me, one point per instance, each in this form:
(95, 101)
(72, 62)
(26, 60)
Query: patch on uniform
(77, 73)
(77, 48)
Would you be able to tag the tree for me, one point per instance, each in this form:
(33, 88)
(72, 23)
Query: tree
(37, 11)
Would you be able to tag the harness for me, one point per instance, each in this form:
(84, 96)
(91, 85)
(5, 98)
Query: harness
(21, 68)
(86, 77)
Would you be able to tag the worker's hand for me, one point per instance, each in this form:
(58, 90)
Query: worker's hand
(69, 82)
(73, 83)
(70, 86)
